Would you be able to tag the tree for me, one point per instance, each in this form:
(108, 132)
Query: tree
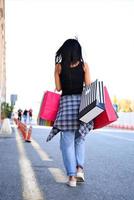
(6, 110)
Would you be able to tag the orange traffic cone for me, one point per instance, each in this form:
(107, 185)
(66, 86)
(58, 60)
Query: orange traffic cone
(18, 124)
(29, 134)
(23, 129)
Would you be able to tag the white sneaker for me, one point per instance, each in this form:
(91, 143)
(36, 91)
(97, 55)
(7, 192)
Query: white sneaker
(80, 177)
(71, 183)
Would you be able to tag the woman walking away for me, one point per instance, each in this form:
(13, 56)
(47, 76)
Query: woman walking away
(71, 73)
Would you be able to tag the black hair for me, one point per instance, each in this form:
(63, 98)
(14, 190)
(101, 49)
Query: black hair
(69, 53)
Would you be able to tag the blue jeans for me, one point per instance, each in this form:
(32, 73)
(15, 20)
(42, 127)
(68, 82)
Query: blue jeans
(73, 151)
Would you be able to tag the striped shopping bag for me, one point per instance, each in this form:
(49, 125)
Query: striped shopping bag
(92, 101)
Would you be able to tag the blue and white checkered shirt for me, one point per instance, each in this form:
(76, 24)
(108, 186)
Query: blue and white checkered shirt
(67, 117)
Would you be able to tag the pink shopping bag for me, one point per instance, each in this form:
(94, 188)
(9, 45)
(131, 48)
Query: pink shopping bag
(49, 106)
(108, 116)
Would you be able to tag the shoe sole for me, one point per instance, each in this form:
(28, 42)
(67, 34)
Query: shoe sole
(80, 180)
(69, 185)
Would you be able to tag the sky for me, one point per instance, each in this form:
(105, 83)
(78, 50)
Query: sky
(35, 29)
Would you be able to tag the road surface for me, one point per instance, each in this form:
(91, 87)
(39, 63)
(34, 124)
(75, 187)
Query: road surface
(35, 171)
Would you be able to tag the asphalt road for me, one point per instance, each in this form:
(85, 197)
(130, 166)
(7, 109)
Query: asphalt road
(35, 171)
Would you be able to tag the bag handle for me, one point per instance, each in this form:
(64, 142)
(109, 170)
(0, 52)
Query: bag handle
(55, 90)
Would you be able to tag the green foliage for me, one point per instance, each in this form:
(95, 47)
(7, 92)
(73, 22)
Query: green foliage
(6, 110)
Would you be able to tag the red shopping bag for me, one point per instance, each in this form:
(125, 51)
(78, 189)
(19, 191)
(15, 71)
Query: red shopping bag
(108, 116)
(49, 106)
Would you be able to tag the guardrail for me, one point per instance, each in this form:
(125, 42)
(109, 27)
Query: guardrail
(125, 121)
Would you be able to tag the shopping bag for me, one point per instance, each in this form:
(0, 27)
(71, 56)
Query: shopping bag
(109, 115)
(49, 106)
(92, 101)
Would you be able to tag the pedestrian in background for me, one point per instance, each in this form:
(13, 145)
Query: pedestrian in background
(30, 114)
(25, 113)
(70, 74)
(19, 114)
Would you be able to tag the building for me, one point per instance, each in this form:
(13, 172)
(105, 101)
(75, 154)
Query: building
(2, 53)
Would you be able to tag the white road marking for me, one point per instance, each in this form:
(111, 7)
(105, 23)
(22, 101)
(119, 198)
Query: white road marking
(43, 155)
(113, 130)
(30, 187)
(118, 137)
(58, 175)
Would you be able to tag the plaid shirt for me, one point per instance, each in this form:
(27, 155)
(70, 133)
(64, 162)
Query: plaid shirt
(67, 117)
